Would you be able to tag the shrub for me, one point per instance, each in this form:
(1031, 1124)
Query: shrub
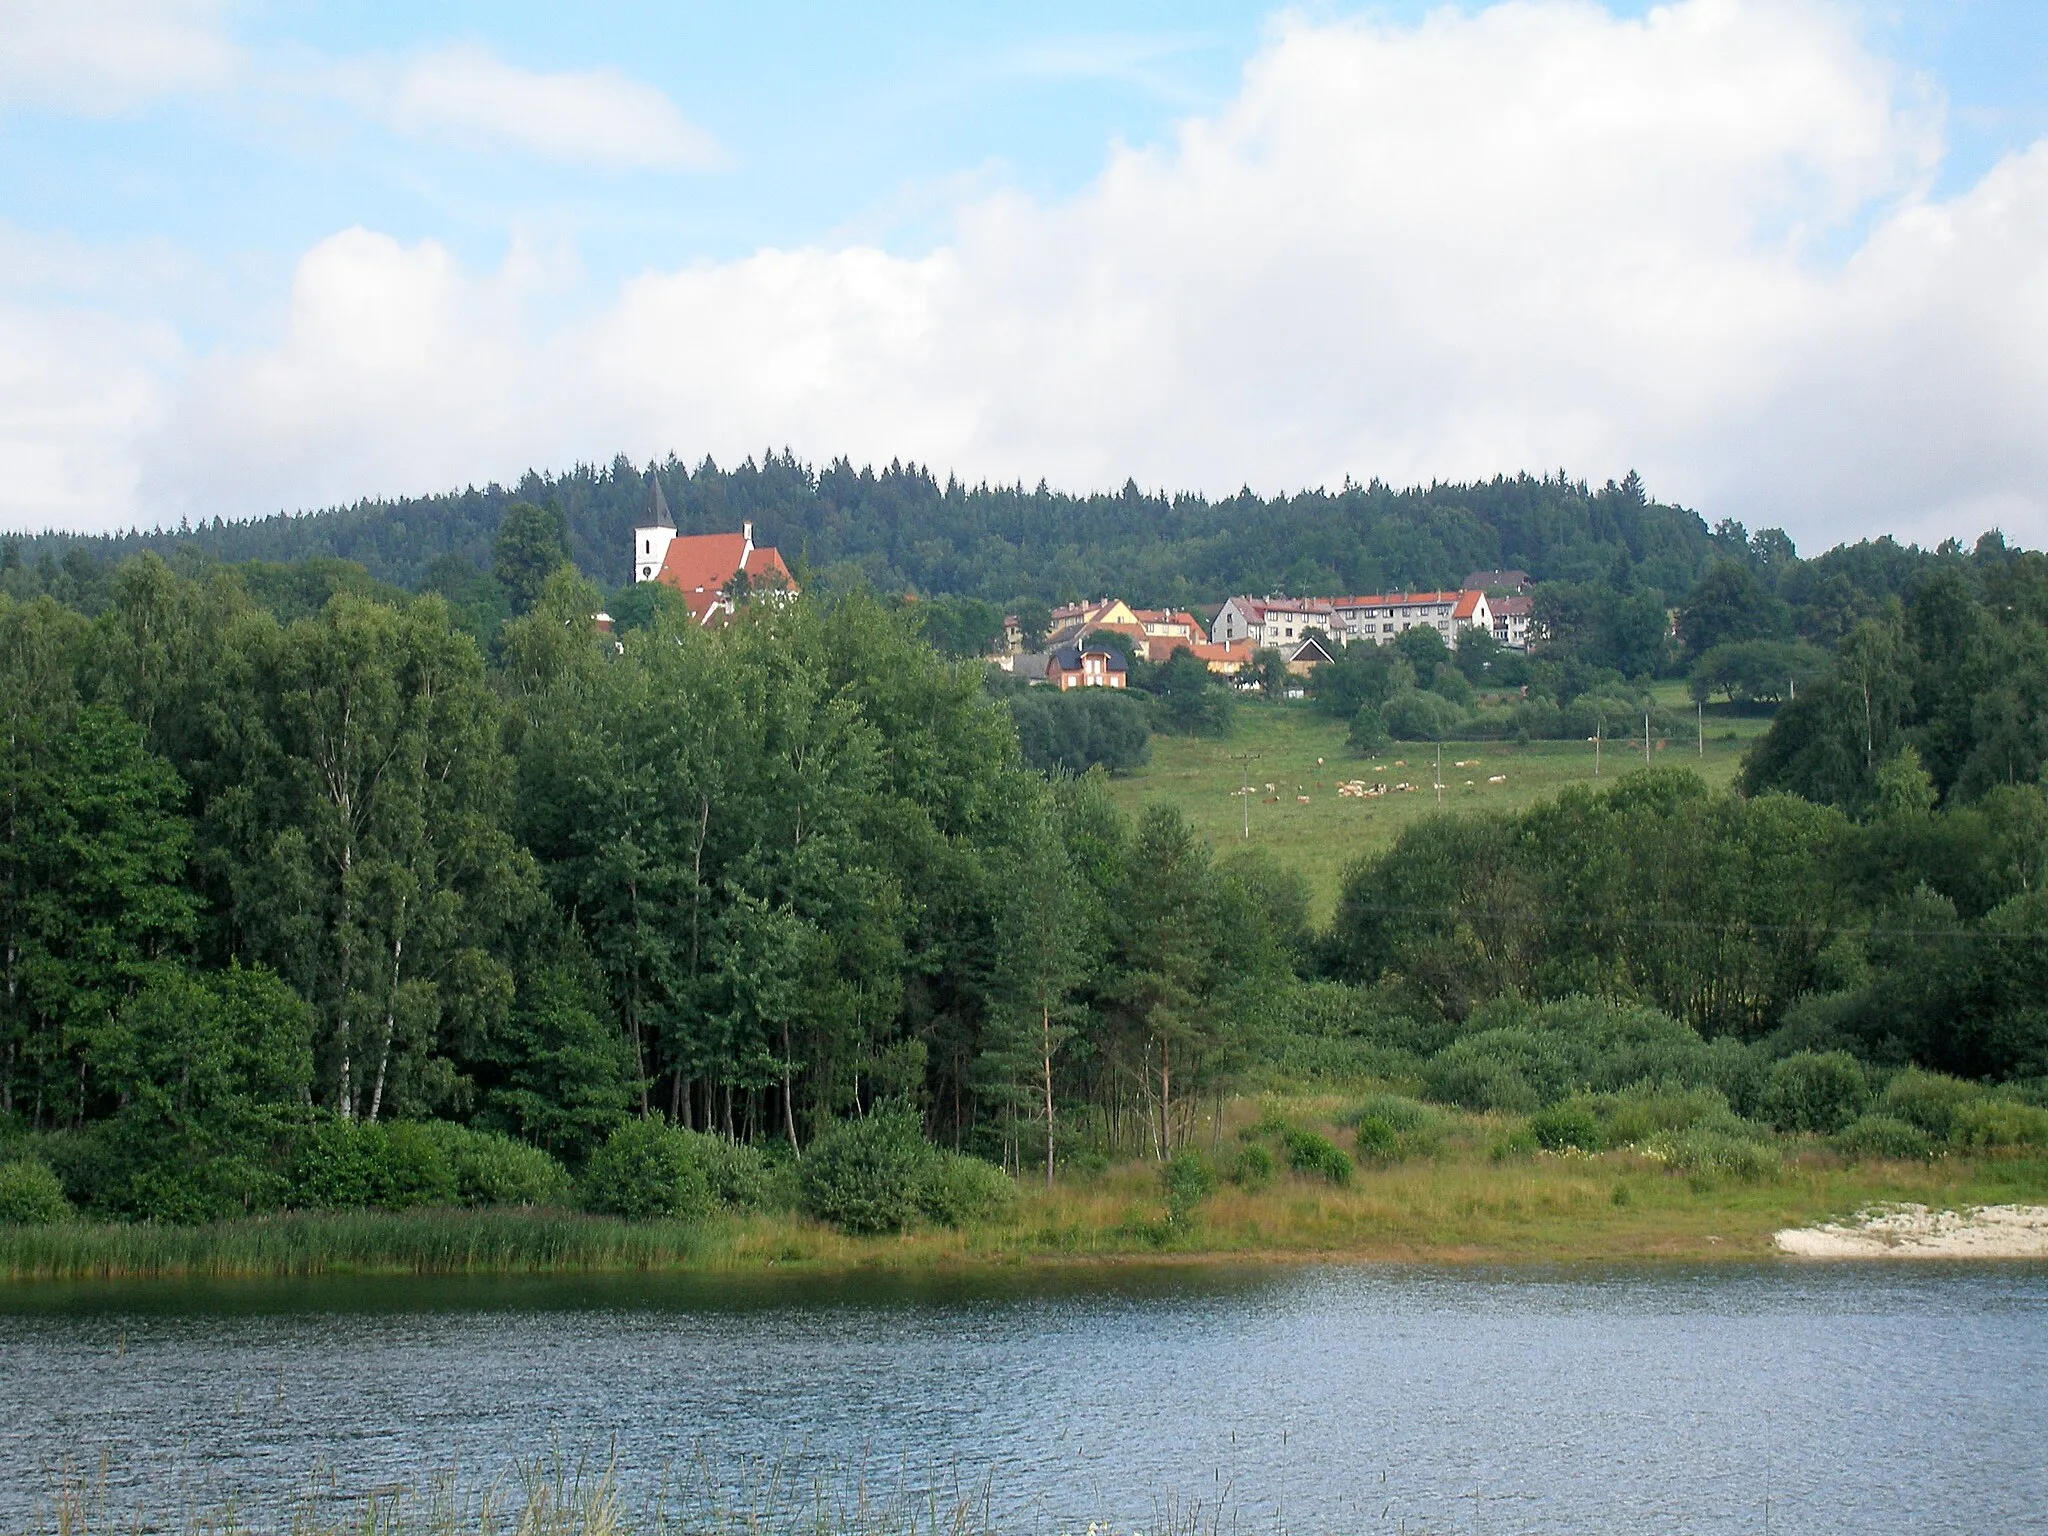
(647, 1168)
(1994, 1122)
(1819, 1092)
(955, 1189)
(30, 1195)
(1480, 1082)
(1391, 1127)
(491, 1168)
(1253, 1167)
(1883, 1136)
(350, 1164)
(1417, 715)
(1519, 1142)
(1188, 1180)
(1930, 1101)
(863, 1175)
(1567, 1126)
(1639, 1114)
(1368, 730)
(739, 1176)
(1308, 1152)
(1713, 1152)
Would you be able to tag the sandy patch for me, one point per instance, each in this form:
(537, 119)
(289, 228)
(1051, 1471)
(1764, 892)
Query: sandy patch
(1915, 1232)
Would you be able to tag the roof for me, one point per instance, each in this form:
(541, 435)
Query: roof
(1068, 658)
(702, 565)
(1468, 604)
(657, 506)
(1310, 649)
(1512, 607)
(1506, 578)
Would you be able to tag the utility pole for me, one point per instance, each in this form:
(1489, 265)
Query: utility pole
(1700, 709)
(1439, 775)
(1646, 738)
(1596, 746)
(1244, 778)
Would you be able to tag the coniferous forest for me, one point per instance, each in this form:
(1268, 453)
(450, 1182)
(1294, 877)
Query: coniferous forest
(329, 837)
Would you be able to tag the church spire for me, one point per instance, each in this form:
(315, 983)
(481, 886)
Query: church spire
(657, 505)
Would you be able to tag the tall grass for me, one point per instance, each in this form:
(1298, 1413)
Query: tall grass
(434, 1242)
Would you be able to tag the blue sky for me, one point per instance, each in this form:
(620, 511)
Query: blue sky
(183, 185)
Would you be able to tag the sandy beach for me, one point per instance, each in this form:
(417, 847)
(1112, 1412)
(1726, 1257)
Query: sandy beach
(1916, 1232)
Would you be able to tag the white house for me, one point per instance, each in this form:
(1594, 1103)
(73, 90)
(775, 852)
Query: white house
(1376, 618)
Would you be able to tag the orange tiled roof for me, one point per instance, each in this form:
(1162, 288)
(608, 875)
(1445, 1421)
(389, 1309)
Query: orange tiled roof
(702, 565)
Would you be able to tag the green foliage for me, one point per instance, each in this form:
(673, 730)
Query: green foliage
(1928, 1101)
(1189, 700)
(532, 544)
(1882, 1136)
(1074, 729)
(1314, 1154)
(1187, 1180)
(1391, 1127)
(350, 1164)
(1817, 1091)
(648, 1168)
(1253, 1166)
(490, 1168)
(741, 1178)
(30, 1194)
(1414, 714)
(954, 1189)
(1368, 730)
(1714, 1153)
(1992, 1123)
(865, 1176)
(1570, 1126)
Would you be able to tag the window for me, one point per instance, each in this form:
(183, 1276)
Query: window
(649, 549)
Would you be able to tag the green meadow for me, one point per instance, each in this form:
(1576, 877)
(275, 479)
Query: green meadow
(1301, 754)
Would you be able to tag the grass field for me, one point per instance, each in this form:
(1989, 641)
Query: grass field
(1296, 758)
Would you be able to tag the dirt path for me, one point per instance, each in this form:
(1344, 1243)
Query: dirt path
(1915, 1232)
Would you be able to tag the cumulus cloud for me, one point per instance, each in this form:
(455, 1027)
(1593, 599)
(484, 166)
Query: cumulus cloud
(597, 116)
(1700, 244)
(106, 56)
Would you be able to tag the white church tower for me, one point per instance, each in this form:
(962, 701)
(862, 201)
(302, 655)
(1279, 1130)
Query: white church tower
(653, 537)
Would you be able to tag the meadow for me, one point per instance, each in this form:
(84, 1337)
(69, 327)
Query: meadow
(1295, 758)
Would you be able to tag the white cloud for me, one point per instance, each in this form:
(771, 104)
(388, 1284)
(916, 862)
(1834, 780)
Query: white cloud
(107, 56)
(596, 116)
(1531, 237)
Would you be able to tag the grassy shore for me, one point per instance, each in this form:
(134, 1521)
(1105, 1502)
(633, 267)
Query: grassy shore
(1301, 752)
(1462, 1204)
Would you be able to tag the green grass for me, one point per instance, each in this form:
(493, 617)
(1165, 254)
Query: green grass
(1303, 753)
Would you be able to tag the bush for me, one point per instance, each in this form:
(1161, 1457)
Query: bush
(864, 1175)
(1640, 1114)
(1253, 1167)
(1390, 1127)
(1516, 1068)
(1881, 1136)
(1567, 1126)
(739, 1176)
(1308, 1152)
(1821, 1092)
(648, 1168)
(350, 1164)
(1930, 1101)
(491, 1168)
(955, 1189)
(1417, 715)
(1368, 730)
(1712, 1152)
(30, 1195)
(1188, 1180)
(1992, 1123)
(1480, 1082)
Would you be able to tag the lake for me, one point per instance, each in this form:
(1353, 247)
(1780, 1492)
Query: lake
(1852, 1398)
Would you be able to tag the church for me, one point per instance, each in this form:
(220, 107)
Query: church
(706, 568)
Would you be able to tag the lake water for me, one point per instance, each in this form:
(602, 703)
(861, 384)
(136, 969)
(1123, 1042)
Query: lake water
(1782, 1398)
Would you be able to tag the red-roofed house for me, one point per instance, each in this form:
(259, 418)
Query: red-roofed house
(706, 568)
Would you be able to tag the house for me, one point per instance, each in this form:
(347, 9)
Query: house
(1305, 656)
(1223, 660)
(1496, 581)
(1513, 618)
(711, 570)
(1379, 617)
(1013, 635)
(1270, 621)
(1096, 666)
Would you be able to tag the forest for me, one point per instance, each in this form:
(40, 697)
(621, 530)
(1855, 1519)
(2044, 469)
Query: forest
(307, 878)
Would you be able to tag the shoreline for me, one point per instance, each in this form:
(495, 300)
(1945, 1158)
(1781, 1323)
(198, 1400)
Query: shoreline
(1449, 1212)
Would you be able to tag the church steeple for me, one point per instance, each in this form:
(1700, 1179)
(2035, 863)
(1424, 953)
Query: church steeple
(657, 505)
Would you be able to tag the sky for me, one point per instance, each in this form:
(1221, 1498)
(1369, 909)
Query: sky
(1788, 259)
